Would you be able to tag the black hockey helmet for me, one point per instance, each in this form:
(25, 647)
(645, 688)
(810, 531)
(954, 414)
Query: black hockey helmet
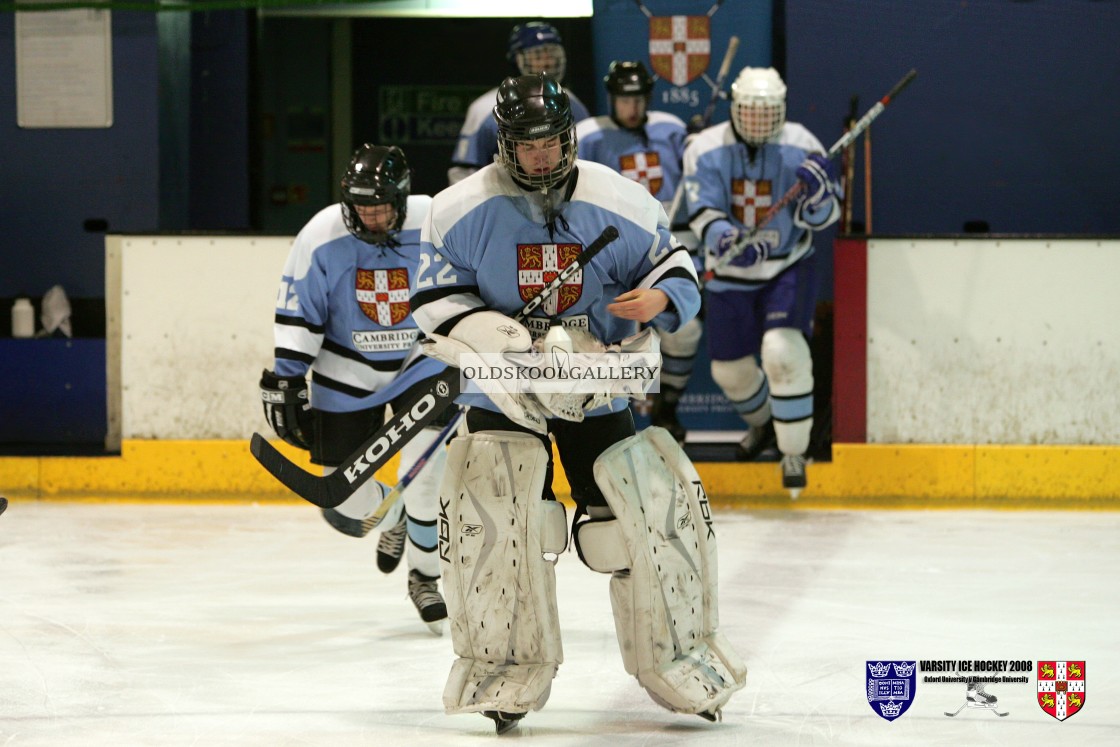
(531, 108)
(377, 175)
(628, 78)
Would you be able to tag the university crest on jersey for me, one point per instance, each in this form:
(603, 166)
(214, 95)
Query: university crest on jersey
(750, 201)
(644, 168)
(383, 295)
(538, 264)
(890, 687)
(680, 47)
(1061, 687)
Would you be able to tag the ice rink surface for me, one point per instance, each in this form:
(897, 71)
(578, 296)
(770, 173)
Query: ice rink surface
(222, 624)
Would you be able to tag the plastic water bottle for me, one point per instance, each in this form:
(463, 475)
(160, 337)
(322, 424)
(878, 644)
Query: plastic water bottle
(23, 318)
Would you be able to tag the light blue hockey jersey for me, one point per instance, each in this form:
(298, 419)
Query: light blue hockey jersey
(488, 245)
(650, 155)
(722, 183)
(343, 311)
(478, 138)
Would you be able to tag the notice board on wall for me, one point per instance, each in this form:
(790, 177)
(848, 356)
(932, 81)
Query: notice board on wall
(64, 68)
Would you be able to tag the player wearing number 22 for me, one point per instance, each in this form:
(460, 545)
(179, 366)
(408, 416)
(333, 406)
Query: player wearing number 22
(761, 304)
(486, 244)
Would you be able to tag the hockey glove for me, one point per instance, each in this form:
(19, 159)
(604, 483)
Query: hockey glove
(820, 175)
(287, 408)
(753, 253)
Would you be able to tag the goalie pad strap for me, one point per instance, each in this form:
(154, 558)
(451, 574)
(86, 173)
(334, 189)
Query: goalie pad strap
(601, 546)
(500, 589)
(665, 606)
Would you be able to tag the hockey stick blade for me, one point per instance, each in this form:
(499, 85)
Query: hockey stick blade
(331, 490)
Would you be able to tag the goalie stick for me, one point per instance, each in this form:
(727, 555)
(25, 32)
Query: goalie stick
(329, 491)
(856, 130)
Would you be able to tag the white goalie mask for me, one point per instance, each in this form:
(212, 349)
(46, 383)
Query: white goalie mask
(758, 104)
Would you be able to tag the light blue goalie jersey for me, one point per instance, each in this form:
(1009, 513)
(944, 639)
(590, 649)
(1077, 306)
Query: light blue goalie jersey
(723, 183)
(343, 311)
(478, 138)
(487, 245)
(650, 155)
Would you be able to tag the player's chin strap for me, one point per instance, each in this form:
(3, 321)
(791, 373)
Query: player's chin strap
(660, 548)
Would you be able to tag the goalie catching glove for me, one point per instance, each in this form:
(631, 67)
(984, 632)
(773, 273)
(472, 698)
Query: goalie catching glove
(287, 408)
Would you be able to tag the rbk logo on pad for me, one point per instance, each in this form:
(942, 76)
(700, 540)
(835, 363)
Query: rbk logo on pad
(539, 264)
(890, 687)
(1061, 688)
(383, 295)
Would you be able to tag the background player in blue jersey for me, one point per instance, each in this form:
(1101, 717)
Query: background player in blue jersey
(534, 47)
(343, 314)
(489, 243)
(648, 147)
(760, 306)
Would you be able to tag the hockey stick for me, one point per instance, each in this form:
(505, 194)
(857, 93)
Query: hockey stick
(857, 129)
(717, 89)
(329, 491)
(848, 161)
(867, 181)
(422, 461)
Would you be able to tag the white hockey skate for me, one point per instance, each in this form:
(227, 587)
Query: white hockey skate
(976, 697)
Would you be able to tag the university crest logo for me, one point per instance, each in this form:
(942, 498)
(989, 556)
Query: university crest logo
(383, 295)
(539, 264)
(1061, 687)
(643, 167)
(890, 687)
(751, 201)
(679, 47)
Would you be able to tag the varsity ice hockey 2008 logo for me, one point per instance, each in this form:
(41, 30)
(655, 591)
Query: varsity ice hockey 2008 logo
(1061, 687)
(890, 687)
(383, 295)
(539, 264)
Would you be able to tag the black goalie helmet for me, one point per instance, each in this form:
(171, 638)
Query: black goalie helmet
(536, 130)
(377, 175)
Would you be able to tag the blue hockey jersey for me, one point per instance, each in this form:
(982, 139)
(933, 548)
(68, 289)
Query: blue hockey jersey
(488, 244)
(343, 311)
(650, 155)
(723, 183)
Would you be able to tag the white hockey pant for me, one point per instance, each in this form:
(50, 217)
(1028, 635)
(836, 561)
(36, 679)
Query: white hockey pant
(660, 548)
(421, 502)
(498, 541)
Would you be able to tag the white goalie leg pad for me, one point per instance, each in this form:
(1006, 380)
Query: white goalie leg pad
(665, 607)
(498, 542)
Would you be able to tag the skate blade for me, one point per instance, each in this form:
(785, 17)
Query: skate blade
(436, 627)
(794, 493)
